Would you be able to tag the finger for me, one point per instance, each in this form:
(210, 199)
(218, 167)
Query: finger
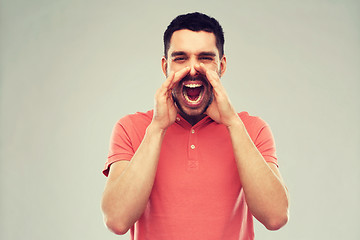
(179, 75)
(168, 80)
(165, 86)
(200, 68)
(211, 75)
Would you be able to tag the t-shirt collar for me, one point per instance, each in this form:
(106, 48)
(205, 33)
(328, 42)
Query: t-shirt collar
(185, 124)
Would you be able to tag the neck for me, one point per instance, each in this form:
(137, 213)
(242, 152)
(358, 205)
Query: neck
(192, 119)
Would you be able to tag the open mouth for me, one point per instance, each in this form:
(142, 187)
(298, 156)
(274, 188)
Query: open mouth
(193, 92)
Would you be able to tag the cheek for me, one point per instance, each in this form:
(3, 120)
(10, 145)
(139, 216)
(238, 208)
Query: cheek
(215, 66)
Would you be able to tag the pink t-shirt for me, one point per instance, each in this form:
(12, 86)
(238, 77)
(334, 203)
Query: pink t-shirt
(197, 193)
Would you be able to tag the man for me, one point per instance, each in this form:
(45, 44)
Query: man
(193, 168)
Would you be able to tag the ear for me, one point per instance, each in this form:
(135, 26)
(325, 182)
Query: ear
(222, 65)
(164, 65)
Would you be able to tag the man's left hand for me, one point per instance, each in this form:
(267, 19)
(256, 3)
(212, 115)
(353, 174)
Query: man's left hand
(220, 110)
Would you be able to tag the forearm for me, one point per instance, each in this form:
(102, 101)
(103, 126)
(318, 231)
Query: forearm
(265, 192)
(129, 185)
(126, 196)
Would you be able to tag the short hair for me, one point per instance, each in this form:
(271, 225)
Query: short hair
(195, 22)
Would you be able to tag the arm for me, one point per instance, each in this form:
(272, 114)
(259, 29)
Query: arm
(129, 184)
(265, 191)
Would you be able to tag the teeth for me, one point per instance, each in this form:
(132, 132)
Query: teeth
(192, 85)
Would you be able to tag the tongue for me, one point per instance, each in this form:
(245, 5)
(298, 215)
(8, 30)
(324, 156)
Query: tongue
(193, 93)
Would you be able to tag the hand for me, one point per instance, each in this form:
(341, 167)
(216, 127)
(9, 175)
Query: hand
(221, 109)
(165, 110)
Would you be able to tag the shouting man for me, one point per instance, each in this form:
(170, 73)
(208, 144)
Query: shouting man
(193, 168)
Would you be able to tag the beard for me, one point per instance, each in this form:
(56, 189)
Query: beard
(183, 112)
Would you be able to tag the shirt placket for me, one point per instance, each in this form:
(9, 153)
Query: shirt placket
(193, 160)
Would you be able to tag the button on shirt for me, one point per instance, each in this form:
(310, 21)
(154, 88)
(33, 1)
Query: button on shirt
(197, 193)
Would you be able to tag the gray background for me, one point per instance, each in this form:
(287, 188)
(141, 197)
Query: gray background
(71, 68)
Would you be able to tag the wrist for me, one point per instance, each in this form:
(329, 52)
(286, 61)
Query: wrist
(155, 128)
(236, 123)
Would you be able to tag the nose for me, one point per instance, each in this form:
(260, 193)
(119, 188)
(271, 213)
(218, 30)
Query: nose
(193, 71)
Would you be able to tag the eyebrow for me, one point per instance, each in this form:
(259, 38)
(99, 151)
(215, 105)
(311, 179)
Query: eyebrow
(177, 53)
(182, 53)
(210, 54)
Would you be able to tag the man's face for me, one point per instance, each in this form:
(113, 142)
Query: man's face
(193, 94)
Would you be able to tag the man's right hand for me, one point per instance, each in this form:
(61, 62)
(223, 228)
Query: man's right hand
(165, 110)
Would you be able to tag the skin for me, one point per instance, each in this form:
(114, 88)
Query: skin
(129, 184)
(188, 50)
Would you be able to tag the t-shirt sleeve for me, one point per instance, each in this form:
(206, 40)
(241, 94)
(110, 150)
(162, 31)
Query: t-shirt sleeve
(120, 147)
(265, 143)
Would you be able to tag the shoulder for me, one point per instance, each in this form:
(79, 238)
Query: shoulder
(131, 128)
(136, 119)
(133, 124)
(254, 124)
(252, 121)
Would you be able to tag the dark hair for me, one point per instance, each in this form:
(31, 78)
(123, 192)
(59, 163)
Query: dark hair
(195, 22)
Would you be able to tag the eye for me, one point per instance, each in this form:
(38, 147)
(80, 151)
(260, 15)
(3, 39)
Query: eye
(179, 59)
(205, 58)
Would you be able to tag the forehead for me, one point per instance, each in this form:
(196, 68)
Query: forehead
(193, 42)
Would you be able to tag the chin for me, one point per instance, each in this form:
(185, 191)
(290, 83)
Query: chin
(193, 112)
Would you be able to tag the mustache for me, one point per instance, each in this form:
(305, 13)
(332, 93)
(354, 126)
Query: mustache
(194, 78)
